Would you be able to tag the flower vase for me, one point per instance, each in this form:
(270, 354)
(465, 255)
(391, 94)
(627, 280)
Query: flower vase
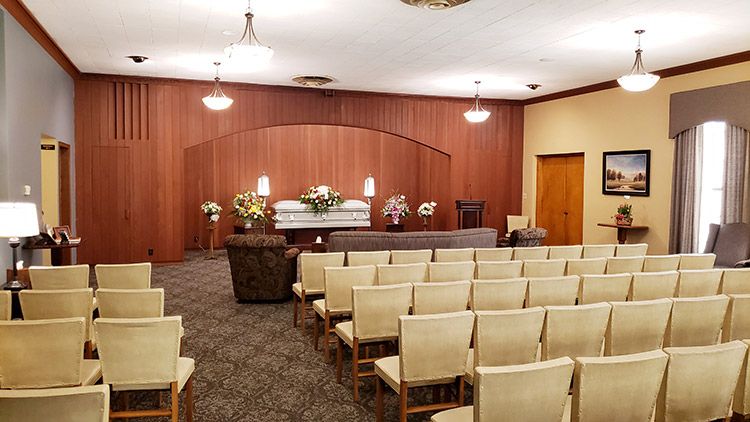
(625, 221)
(254, 227)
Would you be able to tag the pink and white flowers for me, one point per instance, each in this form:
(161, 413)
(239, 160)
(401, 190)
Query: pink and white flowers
(320, 198)
(396, 207)
(212, 210)
(427, 209)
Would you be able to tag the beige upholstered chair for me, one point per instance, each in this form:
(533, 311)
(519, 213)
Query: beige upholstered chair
(411, 256)
(123, 276)
(454, 255)
(143, 354)
(552, 291)
(697, 261)
(604, 288)
(493, 254)
(741, 402)
(311, 284)
(735, 281)
(338, 299)
(70, 404)
(660, 263)
(498, 295)
(617, 388)
(647, 286)
(697, 283)
(438, 298)
(574, 331)
(426, 359)
(402, 273)
(636, 327)
(131, 303)
(5, 305)
(359, 258)
(737, 320)
(59, 278)
(586, 266)
(530, 392)
(700, 382)
(625, 264)
(695, 321)
(51, 304)
(451, 271)
(498, 270)
(565, 252)
(636, 249)
(526, 253)
(505, 338)
(598, 251)
(375, 312)
(544, 268)
(45, 354)
(516, 222)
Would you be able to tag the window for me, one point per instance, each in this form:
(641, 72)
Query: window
(712, 178)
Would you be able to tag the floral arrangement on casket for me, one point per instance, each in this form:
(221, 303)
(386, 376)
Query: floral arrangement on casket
(212, 210)
(249, 207)
(396, 207)
(320, 198)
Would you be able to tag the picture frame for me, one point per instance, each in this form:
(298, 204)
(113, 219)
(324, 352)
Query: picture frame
(59, 231)
(626, 172)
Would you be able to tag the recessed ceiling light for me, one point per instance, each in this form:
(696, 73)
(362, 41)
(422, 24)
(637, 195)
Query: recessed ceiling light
(534, 87)
(137, 59)
(312, 80)
(228, 32)
(435, 4)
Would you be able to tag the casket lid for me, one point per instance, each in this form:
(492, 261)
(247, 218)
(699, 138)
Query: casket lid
(295, 206)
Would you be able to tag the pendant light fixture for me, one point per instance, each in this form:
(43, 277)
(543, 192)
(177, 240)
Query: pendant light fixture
(217, 100)
(477, 113)
(638, 79)
(248, 49)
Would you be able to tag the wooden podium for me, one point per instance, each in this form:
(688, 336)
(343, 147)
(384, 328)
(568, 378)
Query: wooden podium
(470, 213)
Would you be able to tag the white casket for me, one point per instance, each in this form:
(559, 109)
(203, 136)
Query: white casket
(293, 215)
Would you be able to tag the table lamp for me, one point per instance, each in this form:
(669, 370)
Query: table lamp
(17, 219)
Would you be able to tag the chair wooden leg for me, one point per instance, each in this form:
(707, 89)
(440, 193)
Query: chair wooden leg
(88, 350)
(378, 399)
(355, 368)
(402, 396)
(303, 312)
(295, 302)
(326, 335)
(189, 404)
(316, 334)
(460, 381)
(175, 403)
(339, 358)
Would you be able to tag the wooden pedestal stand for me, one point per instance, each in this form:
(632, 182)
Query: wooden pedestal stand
(211, 228)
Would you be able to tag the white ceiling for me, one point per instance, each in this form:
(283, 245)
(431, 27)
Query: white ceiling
(386, 46)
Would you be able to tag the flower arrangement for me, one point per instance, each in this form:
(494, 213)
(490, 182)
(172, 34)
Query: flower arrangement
(212, 210)
(396, 207)
(624, 214)
(320, 198)
(249, 207)
(426, 209)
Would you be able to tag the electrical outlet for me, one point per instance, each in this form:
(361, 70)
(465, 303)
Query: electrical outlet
(150, 252)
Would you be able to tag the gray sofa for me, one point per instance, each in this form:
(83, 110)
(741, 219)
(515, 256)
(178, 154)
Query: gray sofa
(730, 243)
(345, 241)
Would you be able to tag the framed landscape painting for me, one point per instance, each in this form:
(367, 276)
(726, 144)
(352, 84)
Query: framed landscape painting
(626, 173)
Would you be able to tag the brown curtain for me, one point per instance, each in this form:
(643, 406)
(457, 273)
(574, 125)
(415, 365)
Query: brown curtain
(734, 174)
(686, 186)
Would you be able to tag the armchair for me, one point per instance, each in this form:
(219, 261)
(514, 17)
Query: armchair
(730, 243)
(262, 267)
(527, 237)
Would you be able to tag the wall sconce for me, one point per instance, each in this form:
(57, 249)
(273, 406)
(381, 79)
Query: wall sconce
(369, 192)
(264, 185)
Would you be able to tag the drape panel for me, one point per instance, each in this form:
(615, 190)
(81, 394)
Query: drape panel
(686, 186)
(734, 174)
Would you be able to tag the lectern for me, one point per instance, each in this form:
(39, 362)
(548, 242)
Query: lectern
(470, 213)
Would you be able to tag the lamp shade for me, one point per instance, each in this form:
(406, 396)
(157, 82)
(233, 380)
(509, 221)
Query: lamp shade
(18, 219)
(369, 187)
(264, 185)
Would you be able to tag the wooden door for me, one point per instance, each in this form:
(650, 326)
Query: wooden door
(64, 186)
(559, 198)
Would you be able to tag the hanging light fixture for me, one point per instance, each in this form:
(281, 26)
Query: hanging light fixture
(264, 185)
(217, 100)
(248, 49)
(638, 79)
(477, 113)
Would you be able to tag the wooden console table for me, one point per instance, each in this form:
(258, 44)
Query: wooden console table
(56, 250)
(622, 231)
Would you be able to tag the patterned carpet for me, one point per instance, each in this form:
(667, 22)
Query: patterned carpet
(251, 365)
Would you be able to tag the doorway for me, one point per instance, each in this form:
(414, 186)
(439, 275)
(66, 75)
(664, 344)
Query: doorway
(559, 198)
(56, 189)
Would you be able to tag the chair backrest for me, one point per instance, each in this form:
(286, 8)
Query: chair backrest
(625, 386)
(411, 256)
(525, 253)
(531, 392)
(359, 258)
(660, 263)
(635, 249)
(586, 266)
(604, 288)
(695, 321)
(493, 254)
(311, 268)
(546, 291)
(424, 356)
(736, 280)
(438, 298)
(574, 331)
(138, 350)
(565, 252)
(697, 283)
(130, 303)
(51, 304)
(741, 402)
(41, 354)
(517, 222)
(5, 305)
(124, 276)
(339, 282)
(598, 251)
(498, 295)
(375, 310)
(647, 286)
(59, 278)
(544, 268)
(71, 404)
(737, 320)
(454, 255)
(697, 261)
(499, 270)
(700, 382)
(636, 327)
(507, 337)
(402, 273)
(624, 264)
(451, 271)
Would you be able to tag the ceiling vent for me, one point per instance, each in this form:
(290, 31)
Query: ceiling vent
(312, 81)
(435, 4)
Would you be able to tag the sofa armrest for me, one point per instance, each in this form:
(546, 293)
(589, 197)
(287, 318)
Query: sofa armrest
(742, 264)
(291, 253)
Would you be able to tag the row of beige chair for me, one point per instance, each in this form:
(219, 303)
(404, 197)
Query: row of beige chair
(108, 276)
(69, 404)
